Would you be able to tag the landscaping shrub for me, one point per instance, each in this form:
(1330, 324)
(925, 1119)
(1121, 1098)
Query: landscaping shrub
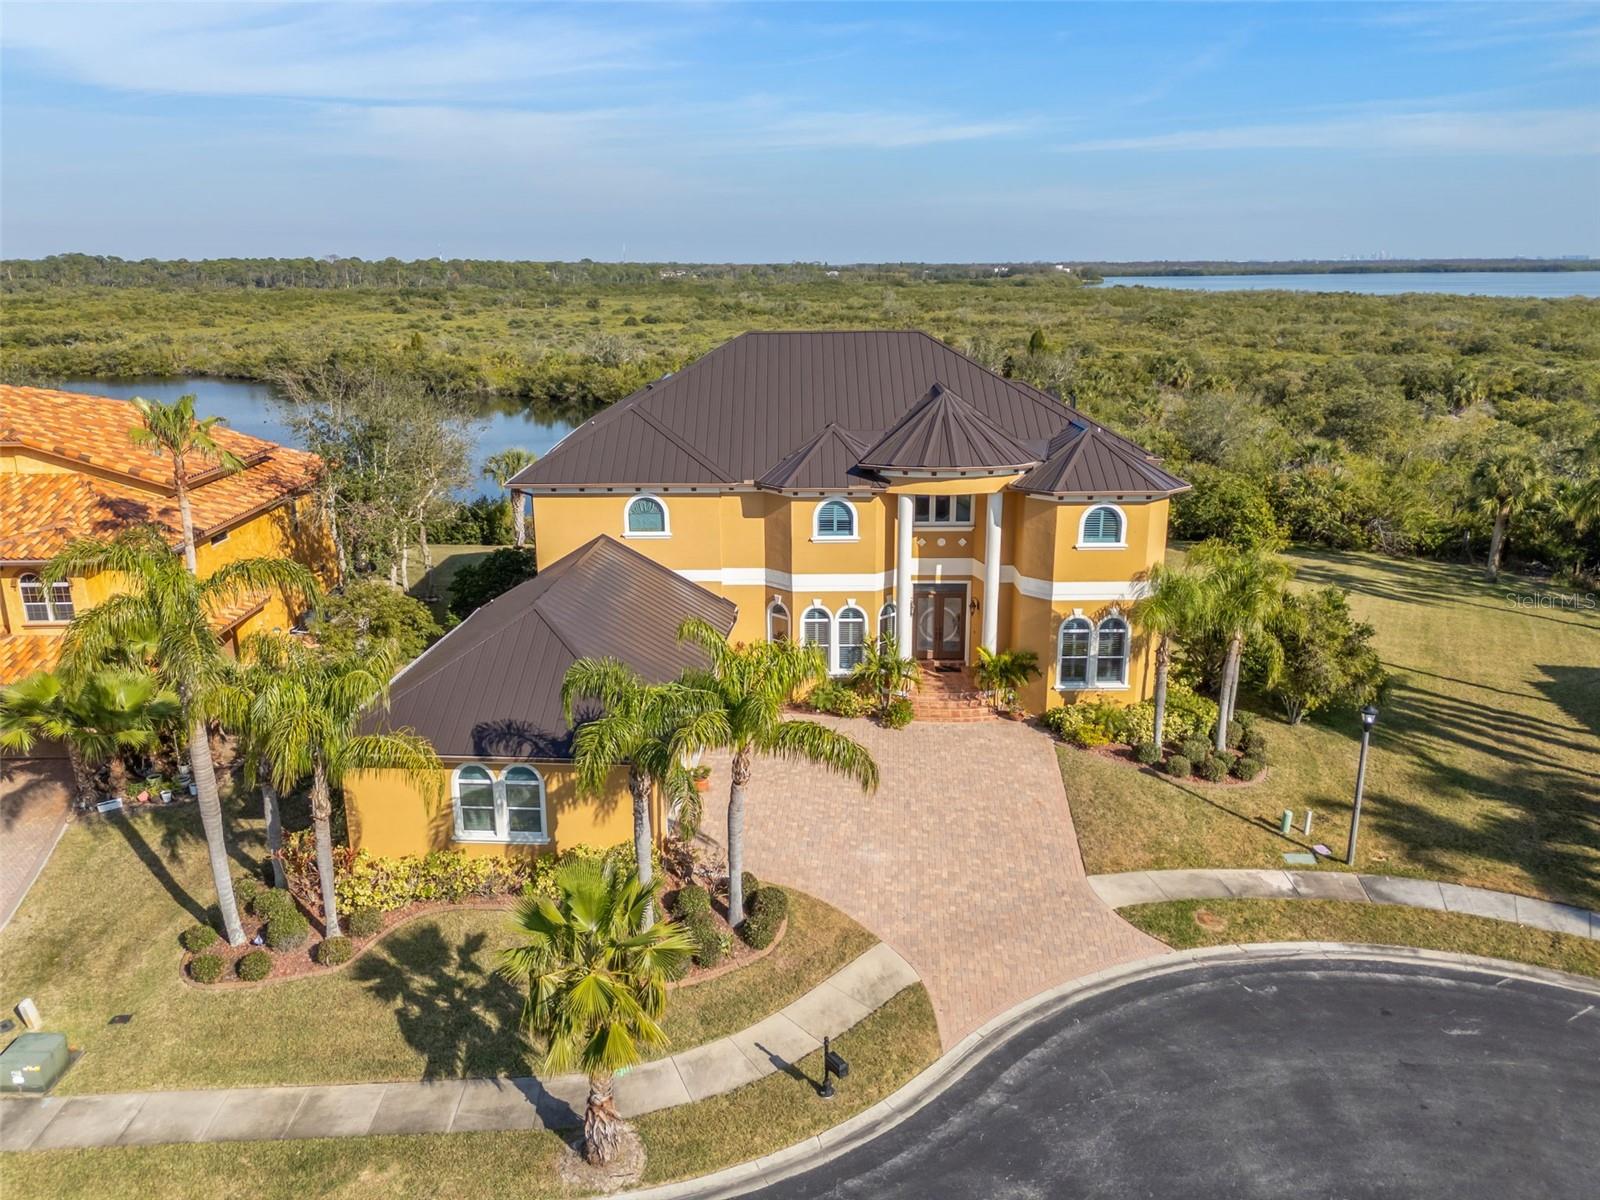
(197, 937)
(1137, 723)
(1235, 731)
(709, 948)
(1213, 769)
(335, 950)
(1195, 749)
(691, 901)
(1247, 768)
(1179, 767)
(1147, 754)
(749, 885)
(897, 714)
(254, 967)
(837, 700)
(288, 930)
(205, 968)
(386, 884)
(1255, 745)
(1085, 725)
(679, 969)
(247, 887)
(766, 915)
(1188, 715)
(272, 902)
(364, 922)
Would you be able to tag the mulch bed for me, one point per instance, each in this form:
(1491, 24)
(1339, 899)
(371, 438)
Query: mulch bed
(1118, 753)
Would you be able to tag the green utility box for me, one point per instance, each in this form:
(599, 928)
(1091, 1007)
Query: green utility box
(33, 1062)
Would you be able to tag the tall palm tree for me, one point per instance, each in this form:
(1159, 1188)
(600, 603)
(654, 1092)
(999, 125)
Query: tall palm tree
(1244, 589)
(1173, 607)
(1506, 481)
(167, 603)
(305, 717)
(740, 708)
(97, 717)
(596, 969)
(502, 466)
(173, 429)
(247, 679)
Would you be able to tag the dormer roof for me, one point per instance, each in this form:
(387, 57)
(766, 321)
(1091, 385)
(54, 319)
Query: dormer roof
(942, 432)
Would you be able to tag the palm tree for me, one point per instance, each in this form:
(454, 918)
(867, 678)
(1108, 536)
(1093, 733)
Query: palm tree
(1173, 607)
(740, 708)
(167, 603)
(884, 672)
(256, 771)
(97, 717)
(503, 466)
(1002, 673)
(1507, 480)
(305, 718)
(639, 724)
(1244, 588)
(596, 969)
(172, 429)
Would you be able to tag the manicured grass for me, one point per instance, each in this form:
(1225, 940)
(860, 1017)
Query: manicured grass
(1335, 921)
(447, 560)
(1485, 765)
(97, 936)
(885, 1051)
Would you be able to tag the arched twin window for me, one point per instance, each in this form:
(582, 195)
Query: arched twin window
(45, 602)
(835, 521)
(646, 516)
(1092, 656)
(841, 636)
(1103, 525)
(507, 805)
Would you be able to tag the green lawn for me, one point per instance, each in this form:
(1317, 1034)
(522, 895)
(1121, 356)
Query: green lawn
(433, 586)
(885, 1051)
(1227, 922)
(97, 936)
(1485, 766)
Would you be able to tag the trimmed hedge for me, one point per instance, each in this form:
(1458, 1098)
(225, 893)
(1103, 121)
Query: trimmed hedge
(205, 968)
(364, 922)
(707, 938)
(1179, 767)
(288, 931)
(335, 950)
(1147, 754)
(197, 937)
(1255, 745)
(767, 912)
(1212, 770)
(254, 967)
(1195, 749)
(837, 700)
(1247, 768)
(691, 901)
(272, 902)
(897, 714)
(247, 887)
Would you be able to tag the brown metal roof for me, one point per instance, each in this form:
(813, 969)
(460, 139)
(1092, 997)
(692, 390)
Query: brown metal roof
(825, 462)
(1088, 460)
(491, 688)
(943, 432)
(738, 415)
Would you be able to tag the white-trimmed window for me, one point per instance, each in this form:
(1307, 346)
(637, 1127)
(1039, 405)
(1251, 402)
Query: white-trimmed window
(45, 602)
(1093, 656)
(888, 629)
(777, 622)
(944, 510)
(646, 516)
(1103, 525)
(816, 629)
(1111, 653)
(504, 807)
(1073, 657)
(852, 638)
(834, 521)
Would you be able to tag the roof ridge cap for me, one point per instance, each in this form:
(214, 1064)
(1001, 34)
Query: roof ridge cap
(660, 427)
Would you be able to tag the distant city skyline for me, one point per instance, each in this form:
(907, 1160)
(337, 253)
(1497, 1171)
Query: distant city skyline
(772, 133)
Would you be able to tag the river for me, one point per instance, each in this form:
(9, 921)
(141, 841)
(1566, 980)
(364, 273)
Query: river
(258, 409)
(1543, 285)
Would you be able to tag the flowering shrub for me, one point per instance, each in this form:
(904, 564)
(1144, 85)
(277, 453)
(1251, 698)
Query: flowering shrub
(384, 884)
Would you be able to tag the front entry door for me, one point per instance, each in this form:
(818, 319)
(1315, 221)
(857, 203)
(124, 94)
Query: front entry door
(940, 610)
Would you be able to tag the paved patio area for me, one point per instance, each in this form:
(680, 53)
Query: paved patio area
(35, 801)
(965, 860)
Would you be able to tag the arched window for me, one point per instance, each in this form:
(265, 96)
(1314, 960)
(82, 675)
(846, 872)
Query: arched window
(1102, 526)
(835, 519)
(523, 789)
(1111, 653)
(61, 600)
(888, 630)
(45, 603)
(777, 622)
(816, 629)
(1073, 667)
(852, 637)
(473, 792)
(510, 808)
(646, 516)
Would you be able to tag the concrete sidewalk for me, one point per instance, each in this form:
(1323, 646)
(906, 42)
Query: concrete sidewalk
(458, 1105)
(1155, 887)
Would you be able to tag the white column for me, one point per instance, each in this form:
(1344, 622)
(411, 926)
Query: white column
(991, 572)
(905, 516)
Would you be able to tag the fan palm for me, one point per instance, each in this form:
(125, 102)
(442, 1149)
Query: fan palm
(503, 466)
(173, 429)
(1506, 482)
(1243, 589)
(596, 969)
(1173, 608)
(884, 673)
(305, 717)
(165, 603)
(97, 717)
(740, 708)
(639, 724)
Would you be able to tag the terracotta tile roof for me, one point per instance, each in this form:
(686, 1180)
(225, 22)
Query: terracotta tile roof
(23, 654)
(41, 513)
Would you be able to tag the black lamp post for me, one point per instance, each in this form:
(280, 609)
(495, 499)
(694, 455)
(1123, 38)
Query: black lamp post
(1369, 718)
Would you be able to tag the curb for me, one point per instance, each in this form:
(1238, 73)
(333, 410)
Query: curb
(950, 1067)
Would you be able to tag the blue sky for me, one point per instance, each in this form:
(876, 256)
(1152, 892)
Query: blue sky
(775, 132)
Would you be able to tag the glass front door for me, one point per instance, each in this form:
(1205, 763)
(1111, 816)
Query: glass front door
(941, 626)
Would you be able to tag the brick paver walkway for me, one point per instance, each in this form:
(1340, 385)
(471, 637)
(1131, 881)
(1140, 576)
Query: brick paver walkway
(35, 800)
(965, 860)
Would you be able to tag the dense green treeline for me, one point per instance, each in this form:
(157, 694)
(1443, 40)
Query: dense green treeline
(1414, 423)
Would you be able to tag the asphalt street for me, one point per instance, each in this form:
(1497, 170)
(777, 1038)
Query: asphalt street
(1280, 1079)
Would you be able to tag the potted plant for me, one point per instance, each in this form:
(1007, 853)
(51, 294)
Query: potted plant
(702, 778)
(1002, 674)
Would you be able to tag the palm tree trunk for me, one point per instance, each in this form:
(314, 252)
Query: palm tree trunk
(519, 517)
(602, 1124)
(181, 487)
(640, 785)
(1497, 542)
(269, 809)
(1163, 667)
(321, 812)
(1230, 680)
(205, 782)
(82, 775)
(736, 794)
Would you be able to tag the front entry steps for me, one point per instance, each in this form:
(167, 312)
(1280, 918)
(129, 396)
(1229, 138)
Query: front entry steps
(949, 694)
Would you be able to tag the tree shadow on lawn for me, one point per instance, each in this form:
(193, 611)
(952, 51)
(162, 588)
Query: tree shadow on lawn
(449, 1003)
(176, 835)
(1576, 691)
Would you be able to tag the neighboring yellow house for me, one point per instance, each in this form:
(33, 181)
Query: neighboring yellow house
(68, 470)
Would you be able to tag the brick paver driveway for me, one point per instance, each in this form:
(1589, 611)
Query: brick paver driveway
(964, 860)
(35, 802)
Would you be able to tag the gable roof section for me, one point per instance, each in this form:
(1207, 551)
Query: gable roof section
(491, 688)
(1087, 460)
(824, 462)
(943, 432)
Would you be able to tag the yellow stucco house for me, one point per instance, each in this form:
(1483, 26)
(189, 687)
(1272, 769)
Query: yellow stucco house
(830, 487)
(68, 470)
